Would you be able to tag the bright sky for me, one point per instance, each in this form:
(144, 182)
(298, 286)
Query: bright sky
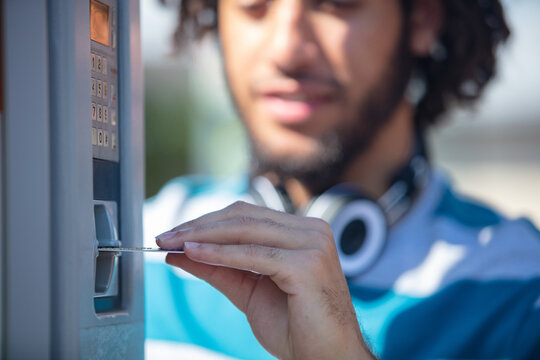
(157, 26)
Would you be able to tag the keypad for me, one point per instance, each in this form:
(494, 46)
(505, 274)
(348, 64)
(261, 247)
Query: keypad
(100, 137)
(104, 94)
(103, 106)
(100, 113)
(105, 138)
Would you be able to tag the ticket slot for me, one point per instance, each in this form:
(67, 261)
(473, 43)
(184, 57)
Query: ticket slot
(107, 264)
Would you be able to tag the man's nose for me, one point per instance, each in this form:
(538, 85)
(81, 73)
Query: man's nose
(292, 44)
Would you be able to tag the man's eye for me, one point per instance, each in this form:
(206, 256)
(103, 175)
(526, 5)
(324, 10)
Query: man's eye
(255, 8)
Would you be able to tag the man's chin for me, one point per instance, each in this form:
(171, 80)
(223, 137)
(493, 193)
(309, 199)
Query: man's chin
(318, 169)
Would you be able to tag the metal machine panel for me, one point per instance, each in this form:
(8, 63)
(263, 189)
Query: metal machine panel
(26, 181)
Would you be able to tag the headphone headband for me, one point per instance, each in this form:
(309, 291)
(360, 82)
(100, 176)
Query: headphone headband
(359, 225)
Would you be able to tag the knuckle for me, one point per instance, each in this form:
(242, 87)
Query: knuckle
(255, 253)
(238, 206)
(287, 279)
(316, 261)
(200, 228)
(273, 253)
(271, 222)
(251, 250)
(246, 220)
(322, 226)
(328, 244)
(322, 233)
(239, 209)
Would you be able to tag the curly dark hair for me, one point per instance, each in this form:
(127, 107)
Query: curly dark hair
(457, 71)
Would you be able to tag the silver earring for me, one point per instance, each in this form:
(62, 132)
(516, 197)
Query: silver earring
(416, 88)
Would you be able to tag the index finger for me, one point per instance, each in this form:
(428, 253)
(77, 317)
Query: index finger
(241, 209)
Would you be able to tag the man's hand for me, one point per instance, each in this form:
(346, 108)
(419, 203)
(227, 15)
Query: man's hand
(282, 271)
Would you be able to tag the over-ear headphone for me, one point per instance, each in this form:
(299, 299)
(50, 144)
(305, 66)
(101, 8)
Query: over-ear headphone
(359, 224)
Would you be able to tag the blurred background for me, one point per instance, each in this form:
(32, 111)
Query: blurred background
(492, 151)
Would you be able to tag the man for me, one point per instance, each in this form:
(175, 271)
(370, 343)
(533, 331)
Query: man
(333, 93)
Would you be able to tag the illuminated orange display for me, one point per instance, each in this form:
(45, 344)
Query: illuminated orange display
(100, 29)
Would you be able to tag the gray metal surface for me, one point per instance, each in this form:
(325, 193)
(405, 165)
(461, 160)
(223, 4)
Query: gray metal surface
(132, 161)
(71, 172)
(27, 236)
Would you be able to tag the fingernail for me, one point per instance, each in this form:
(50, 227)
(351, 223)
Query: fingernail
(166, 236)
(191, 245)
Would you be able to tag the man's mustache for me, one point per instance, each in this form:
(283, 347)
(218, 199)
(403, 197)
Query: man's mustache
(303, 82)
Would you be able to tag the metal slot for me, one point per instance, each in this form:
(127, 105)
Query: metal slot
(107, 264)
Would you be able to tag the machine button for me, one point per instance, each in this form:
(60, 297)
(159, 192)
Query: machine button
(113, 117)
(113, 92)
(105, 65)
(113, 141)
(105, 90)
(94, 136)
(105, 138)
(93, 62)
(99, 65)
(94, 112)
(99, 89)
(100, 113)
(100, 137)
(105, 114)
(93, 81)
(114, 39)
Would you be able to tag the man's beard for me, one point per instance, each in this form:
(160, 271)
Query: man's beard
(324, 167)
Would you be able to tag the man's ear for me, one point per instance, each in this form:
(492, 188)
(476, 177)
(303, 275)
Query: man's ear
(425, 23)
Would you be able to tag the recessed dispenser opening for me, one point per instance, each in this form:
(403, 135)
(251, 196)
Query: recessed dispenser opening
(106, 286)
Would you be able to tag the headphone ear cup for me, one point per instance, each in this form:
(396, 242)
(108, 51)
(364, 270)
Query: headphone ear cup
(360, 233)
(358, 225)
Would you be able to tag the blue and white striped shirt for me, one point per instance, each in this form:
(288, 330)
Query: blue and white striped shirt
(455, 280)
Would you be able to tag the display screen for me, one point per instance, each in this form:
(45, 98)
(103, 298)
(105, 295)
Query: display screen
(100, 29)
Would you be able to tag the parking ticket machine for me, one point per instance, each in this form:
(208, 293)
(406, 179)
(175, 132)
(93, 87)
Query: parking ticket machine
(72, 179)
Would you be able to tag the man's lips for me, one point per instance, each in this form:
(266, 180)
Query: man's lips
(293, 101)
(287, 110)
